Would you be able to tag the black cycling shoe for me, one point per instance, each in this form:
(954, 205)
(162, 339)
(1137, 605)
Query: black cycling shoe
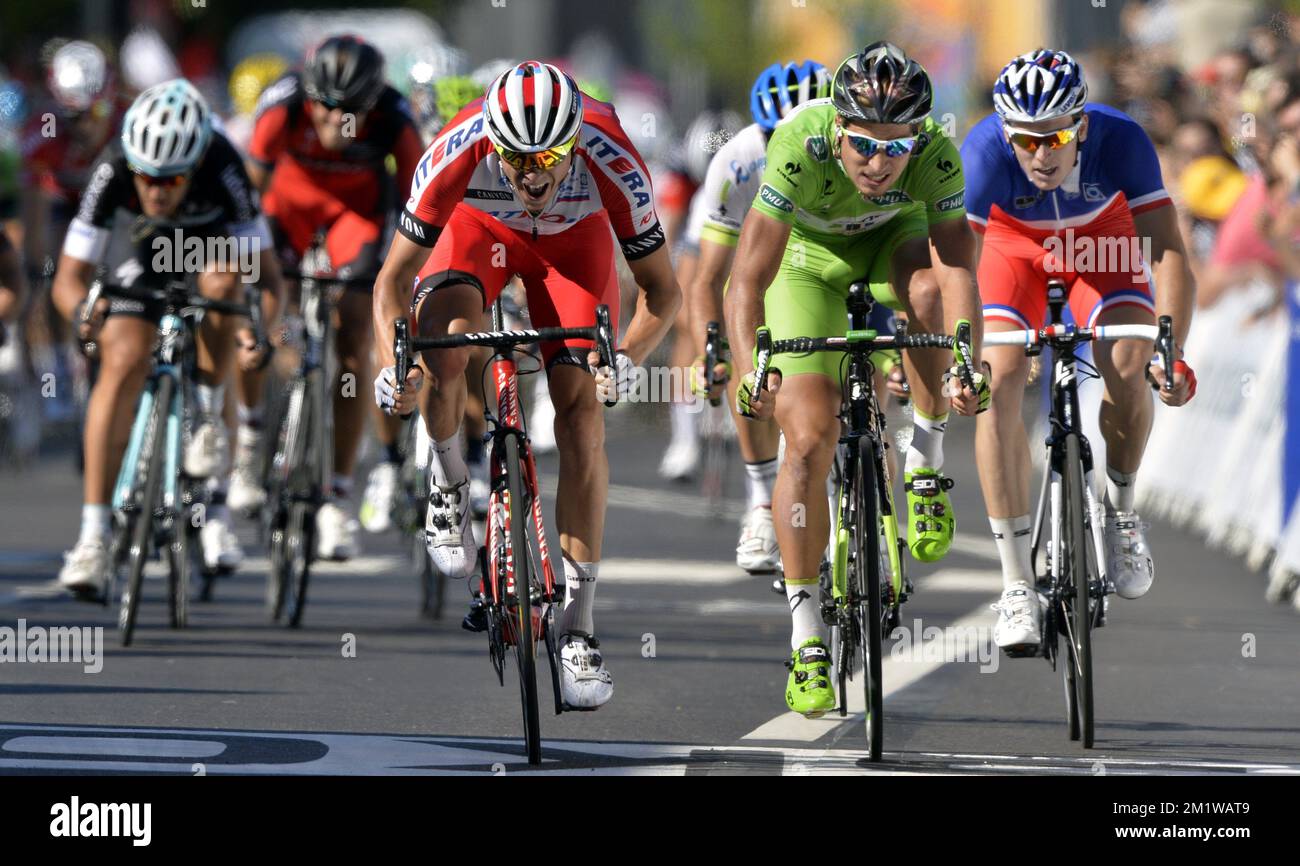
(476, 619)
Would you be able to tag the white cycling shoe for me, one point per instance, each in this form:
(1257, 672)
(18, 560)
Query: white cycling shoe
(246, 493)
(1019, 614)
(585, 684)
(208, 449)
(541, 420)
(336, 533)
(86, 568)
(379, 498)
(757, 551)
(681, 460)
(221, 548)
(1128, 559)
(448, 532)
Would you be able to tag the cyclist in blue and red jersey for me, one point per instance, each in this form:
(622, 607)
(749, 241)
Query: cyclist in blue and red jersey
(1057, 186)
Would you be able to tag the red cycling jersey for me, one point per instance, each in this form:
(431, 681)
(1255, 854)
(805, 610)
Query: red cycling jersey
(350, 191)
(53, 163)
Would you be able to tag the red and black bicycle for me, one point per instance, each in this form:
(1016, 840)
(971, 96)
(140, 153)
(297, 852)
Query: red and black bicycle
(518, 587)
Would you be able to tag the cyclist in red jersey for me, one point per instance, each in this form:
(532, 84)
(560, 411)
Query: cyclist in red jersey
(318, 153)
(528, 180)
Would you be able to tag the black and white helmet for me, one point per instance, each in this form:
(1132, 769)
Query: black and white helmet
(345, 72)
(532, 107)
(167, 129)
(881, 84)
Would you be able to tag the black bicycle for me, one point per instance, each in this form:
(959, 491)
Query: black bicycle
(299, 464)
(518, 591)
(866, 583)
(1074, 581)
(156, 505)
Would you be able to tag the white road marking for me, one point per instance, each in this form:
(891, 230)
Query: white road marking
(986, 581)
(115, 747)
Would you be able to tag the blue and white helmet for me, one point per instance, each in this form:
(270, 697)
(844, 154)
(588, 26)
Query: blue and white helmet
(167, 129)
(779, 89)
(1040, 85)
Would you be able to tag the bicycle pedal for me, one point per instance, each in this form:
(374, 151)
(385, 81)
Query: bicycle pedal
(1023, 651)
(570, 708)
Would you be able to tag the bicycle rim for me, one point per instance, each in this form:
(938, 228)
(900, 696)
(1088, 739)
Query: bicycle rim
(867, 550)
(184, 548)
(522, 617)
(1081, 615)
(149, 487)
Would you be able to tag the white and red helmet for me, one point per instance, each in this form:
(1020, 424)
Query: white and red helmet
(532, 107)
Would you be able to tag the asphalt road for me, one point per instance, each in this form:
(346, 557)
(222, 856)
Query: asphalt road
(1197, 677)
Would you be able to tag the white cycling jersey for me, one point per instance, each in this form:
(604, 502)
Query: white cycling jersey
(735, 173)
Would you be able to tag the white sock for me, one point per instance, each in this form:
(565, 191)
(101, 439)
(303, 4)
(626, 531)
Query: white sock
(1014, 537)
(1120, 489)
(579, 596)
(449, 467)
(211, 398)
(926, 450)
(684, 423)
(96, 521)
(248, 436)
(759, 478)
(248, 416)
(805, 611)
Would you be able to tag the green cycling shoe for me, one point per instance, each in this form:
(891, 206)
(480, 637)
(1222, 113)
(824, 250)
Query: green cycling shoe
(808, 690)
(930, 519)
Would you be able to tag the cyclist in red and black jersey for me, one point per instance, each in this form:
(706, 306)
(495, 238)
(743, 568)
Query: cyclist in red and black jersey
(319, 153)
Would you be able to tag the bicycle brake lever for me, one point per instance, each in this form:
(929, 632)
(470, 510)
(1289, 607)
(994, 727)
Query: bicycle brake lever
(711, 361)
(964, 354)
(401, 356)
(1165, 346)
(605, 345)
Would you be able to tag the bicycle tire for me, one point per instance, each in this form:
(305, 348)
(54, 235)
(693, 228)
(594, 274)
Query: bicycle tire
(286, 457)
(1081, 614)
(182, 566)
(149, 487)
(867, 550)
(525, 646)
(301, 534)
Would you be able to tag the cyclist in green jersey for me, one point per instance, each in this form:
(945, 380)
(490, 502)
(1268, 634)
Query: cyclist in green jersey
(861, 185)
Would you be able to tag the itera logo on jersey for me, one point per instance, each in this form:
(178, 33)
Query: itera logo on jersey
(612, 158)
(130, 820)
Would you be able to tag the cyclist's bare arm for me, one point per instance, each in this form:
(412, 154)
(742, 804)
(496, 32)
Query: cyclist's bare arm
(704, 296)
(656, 305)
(758, 257)
(1176, 287)
(71, 285)
(952, 254)
(259, 174)
(392, 296)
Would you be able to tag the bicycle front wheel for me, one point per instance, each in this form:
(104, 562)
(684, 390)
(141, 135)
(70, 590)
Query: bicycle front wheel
(522, 619)
(1081, 613)
(866, 549)
(149, 483)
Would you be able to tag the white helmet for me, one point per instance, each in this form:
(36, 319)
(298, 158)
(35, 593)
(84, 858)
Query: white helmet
(78, 75)
(1040, 85)
(167, 129)
(532, 107)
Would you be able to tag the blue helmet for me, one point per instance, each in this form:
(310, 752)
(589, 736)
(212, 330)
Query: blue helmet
(1040, 85)
(779, 89)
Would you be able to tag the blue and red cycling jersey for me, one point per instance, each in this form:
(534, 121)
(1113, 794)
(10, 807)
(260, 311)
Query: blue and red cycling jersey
(1115, 176)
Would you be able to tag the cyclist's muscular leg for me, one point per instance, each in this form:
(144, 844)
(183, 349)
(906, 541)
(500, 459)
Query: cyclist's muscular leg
(216, 342)
(125, 344)
(455, 308)
(917, 289)
(584, 467)
(1126, 408)
(353, 340)
(807, 413)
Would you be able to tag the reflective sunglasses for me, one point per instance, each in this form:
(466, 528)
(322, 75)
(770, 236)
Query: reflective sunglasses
(171, 181)
(543, 160)
(1031, 141)
(869, 147)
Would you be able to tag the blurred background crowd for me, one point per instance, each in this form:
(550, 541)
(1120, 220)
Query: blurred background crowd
(1216, 84)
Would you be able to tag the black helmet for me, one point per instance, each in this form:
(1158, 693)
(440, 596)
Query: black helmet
(882, 85)
(345, 72)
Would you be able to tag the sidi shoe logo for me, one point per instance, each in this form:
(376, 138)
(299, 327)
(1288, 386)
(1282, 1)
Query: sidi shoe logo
(130, 820)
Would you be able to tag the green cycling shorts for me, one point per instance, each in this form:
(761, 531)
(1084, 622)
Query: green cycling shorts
(807, 298)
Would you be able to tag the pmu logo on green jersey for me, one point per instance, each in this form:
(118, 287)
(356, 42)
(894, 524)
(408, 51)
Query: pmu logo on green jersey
(817, 147)
(894, 196)
(772, 198)
(956, 201)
